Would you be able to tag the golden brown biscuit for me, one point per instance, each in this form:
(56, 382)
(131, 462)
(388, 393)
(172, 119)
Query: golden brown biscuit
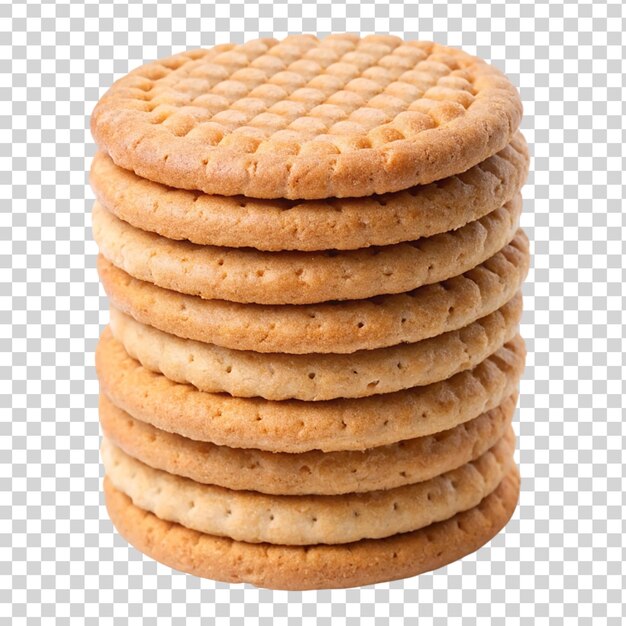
(247, 275)
(308, 118)
(331, 327)
(296, 426)
(313, 472)
(315, 377)
(314, 567)
(341, 224)
(305, 520)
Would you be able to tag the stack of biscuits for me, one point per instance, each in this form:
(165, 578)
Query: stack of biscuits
(312, 255)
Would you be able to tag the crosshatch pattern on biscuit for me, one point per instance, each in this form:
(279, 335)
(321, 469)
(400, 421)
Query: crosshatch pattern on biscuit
(308, 118)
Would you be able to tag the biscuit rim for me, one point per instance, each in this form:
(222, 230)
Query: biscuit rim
(296, 426)
(254, 517)
(312, 472)
(317, 377)
(348, 224)
(315, 567)
(342, 327)
(296, 278)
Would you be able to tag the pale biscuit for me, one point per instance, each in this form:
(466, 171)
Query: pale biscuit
(247, 275)
(304, 520)
(295, 426)
(315, 377)
(341, 224)
(313, 472)
(308, 118)
(328, 327)
(314, 567)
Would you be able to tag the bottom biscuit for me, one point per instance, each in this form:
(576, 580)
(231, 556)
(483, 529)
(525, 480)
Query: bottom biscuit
(320, 566)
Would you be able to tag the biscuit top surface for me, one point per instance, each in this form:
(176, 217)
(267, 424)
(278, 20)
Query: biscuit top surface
(307, 118)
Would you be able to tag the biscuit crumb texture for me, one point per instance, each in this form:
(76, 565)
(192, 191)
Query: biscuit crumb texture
(315, 377)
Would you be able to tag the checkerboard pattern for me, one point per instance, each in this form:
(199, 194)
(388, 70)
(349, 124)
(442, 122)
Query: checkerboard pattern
(560, 559)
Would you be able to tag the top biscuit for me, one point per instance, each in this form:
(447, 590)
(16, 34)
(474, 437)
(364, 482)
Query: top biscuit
(304, 118)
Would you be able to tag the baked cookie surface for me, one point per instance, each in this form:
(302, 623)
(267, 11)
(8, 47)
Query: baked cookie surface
(312, 472)
(308, 519)
(308, 118)
(319, 566)
(316, 377)
(296, 426)
(327, 327)
(252, 276)
(341, 224)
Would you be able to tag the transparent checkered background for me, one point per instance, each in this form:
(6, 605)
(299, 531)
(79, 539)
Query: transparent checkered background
(560, 559)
